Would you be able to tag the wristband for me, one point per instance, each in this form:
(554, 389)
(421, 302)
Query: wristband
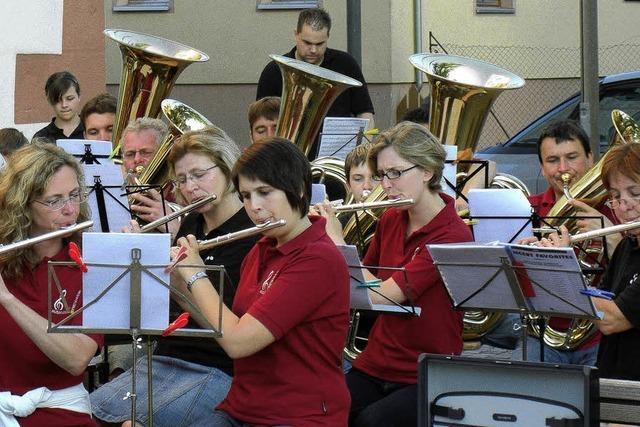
(197, 276)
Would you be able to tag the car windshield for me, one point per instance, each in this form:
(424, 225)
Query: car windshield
(624, 97)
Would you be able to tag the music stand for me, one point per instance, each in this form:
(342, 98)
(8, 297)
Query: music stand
(507, 278)
(459, 186)
(340, 135)
(143, 278)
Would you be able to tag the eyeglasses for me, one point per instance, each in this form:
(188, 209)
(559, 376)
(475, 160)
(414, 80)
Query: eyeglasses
(616, 203)
(60, 202)
(195, 176)
(391, 174)
(145, 154)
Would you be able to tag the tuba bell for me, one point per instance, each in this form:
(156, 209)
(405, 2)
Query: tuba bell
(307, 94)
(462, 93)
(589, 188)
(150, 67)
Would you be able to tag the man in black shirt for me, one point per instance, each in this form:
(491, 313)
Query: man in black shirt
(311, 35)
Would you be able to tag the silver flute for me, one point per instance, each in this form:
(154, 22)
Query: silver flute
(63, 232)
(241, 234)
(372, 205)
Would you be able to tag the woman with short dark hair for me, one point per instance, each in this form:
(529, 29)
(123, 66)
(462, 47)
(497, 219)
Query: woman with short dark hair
(288, 324)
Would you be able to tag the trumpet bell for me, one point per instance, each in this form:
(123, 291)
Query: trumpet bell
(627, 130)
(462, 92)
(307, 94)
(151, 66)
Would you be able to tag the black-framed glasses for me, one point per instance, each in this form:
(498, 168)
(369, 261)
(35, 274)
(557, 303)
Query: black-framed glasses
(196, 176)
(391, 174)
(616, 203)
(60, 202)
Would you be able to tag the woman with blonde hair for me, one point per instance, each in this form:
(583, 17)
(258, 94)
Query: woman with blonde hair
(191, 375)
(408, 161)
(41, 190)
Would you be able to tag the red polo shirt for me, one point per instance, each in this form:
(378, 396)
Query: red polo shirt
(300, 292)
(542, 204)
(395, 341)
(23, 366)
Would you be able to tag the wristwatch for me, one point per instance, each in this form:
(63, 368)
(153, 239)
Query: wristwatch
(197, 276)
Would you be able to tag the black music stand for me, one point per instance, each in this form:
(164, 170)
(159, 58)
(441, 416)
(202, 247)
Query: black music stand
(459, 186)
(136, 271)
(506, 278)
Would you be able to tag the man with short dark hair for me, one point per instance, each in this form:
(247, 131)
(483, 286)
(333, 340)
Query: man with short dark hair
(563, 148)
(311, 36)
(97, 117)
(263, 118)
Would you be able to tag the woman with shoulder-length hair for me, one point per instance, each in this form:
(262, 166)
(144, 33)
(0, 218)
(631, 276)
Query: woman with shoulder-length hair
(41, 190)
(288, 323)
(408, 161)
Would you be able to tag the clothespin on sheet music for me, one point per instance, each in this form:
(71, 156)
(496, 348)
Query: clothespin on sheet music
(180, 322)
(74, 254)
(182, 254)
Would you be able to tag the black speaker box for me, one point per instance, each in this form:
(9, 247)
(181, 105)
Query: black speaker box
(464, 391)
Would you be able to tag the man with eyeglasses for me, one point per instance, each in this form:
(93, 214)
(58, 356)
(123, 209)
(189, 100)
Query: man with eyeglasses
(563, 148)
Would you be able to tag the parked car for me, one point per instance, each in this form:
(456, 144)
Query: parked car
(519, 157)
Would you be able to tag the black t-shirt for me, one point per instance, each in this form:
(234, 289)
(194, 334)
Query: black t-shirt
(53, 132)
(350, 103)
(206, 351)
(619, 353)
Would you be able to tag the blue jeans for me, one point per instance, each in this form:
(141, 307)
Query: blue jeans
(552, 355)
(183, 393)
(221, 419)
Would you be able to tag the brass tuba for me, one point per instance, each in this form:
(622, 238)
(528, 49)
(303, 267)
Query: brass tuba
(307, 93)
(589, 187)
(462, 93)
(151, 66)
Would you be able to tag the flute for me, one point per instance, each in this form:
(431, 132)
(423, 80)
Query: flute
(372, 205)
(241, 234)
(167, 218)
(604, 231)
(63, 232)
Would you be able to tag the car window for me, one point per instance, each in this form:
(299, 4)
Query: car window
(529, 140)
(625, 98)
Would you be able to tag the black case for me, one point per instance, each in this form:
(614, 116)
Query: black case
(464, 391)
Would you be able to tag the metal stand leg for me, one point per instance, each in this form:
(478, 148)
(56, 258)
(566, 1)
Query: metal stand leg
(150, 380)
(132, 396)
(524, 326)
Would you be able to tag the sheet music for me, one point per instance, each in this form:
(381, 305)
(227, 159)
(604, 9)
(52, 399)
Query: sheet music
(2, 161)
(461, 282)
(468, 270)
(504, 203)
(110, 175)
(449, 171)
(360, 298)
(340, 132)
(77, 146)
(112, 310)
(565, 285)
(318, 193)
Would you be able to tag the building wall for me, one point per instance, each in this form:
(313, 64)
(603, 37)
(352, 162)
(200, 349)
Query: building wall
(40, 37)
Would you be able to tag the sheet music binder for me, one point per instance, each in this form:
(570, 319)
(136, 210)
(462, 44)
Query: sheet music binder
(360, 299)
(510, 278)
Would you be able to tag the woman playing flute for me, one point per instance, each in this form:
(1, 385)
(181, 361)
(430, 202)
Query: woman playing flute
(41, 190)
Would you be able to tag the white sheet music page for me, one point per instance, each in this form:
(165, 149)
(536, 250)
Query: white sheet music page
(511, 204)
(561, 277)
(112, 309)
(110, 175)
(339, 135)
(468, 269)
(449, 171)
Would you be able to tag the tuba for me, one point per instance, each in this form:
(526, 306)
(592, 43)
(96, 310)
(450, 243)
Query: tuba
(307, 94)
(589, 187)
(462, 93)
(151, 66)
